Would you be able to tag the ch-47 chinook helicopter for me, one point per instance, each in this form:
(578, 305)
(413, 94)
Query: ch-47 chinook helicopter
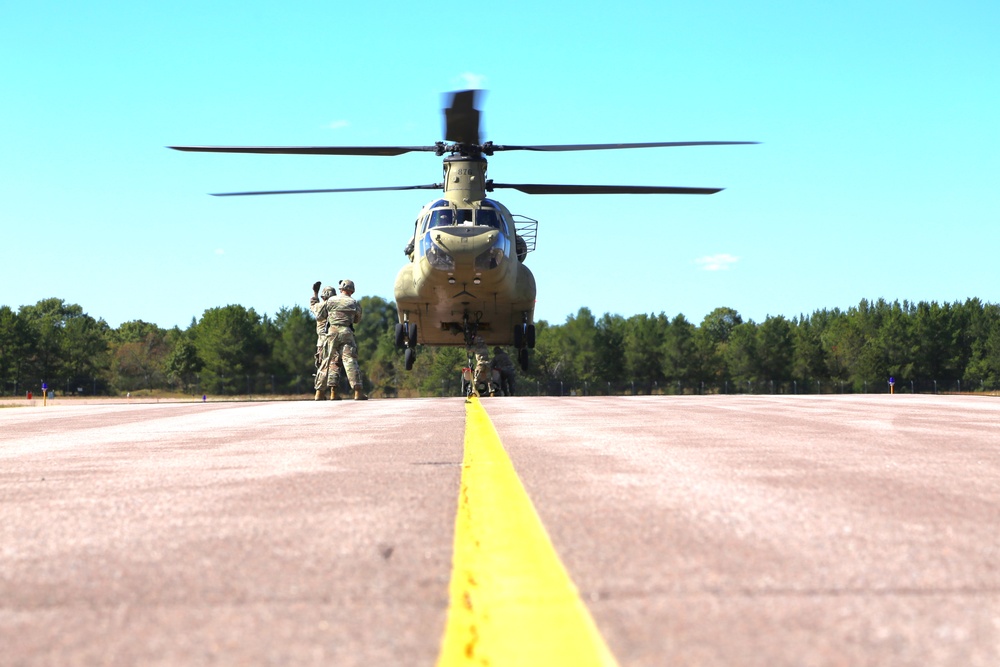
(466, 275)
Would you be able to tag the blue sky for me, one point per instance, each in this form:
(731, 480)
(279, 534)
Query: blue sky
(876, 176)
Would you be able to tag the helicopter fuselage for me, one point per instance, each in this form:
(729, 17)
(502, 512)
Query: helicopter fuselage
(466, 272)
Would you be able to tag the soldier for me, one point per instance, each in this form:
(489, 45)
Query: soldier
(321, 326)
(341, 312)
(322, 329)
(502, 362)
(482, 368)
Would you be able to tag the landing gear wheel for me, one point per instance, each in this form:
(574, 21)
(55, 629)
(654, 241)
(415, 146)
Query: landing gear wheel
(530, 336)
(411, 333)
(399, 335)
(522, 358)
(519, 335)
(409, 357)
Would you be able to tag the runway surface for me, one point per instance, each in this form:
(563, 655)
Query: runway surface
(717, 530)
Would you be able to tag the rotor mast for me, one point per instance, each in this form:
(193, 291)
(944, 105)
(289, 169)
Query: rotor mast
(464, 179)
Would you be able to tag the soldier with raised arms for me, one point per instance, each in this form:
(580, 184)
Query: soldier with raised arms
(341, 313)
(321, 326)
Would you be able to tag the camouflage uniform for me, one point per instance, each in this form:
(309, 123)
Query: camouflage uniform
(321, 327)
(482, 368)
(503, 363)
(341, 313)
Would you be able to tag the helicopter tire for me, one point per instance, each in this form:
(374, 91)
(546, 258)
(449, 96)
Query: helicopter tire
(411, 333)
(530, 336)
(399, 335)
(518, 335)
(409, 357)
(522, 358)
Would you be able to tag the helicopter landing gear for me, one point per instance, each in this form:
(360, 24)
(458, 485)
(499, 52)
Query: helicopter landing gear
(406, 339)
(406, 335)
(524, 338)
(524, 335)
(522, 358)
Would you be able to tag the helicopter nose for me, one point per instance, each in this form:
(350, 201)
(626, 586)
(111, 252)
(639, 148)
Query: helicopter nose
(459, 242)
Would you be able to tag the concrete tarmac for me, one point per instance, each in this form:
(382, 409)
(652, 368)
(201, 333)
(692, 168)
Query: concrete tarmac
(717, 530)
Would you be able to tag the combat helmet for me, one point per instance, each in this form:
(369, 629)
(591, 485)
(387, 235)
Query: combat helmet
(347, 285)
(327, 292)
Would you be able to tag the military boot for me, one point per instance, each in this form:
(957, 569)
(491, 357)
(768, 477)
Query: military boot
(319, 395)
(333, 394)
(360, 395)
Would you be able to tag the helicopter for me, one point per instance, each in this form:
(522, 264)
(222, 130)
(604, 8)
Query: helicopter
(465, 280)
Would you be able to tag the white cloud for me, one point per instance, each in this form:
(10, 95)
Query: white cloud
(470, 80)
(720, 262)
(338, 124)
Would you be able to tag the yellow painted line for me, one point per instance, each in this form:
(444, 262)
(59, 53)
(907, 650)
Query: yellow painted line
(512, 602)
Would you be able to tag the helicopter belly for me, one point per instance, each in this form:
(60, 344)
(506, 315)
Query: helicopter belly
(443, 303)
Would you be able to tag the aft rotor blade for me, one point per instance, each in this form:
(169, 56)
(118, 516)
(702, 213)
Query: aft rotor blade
(601, 147)
(309, 150)
(534, 189)
(432, 186)
(461, 118)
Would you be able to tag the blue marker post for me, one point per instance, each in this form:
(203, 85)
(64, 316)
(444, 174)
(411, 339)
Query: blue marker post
(892, 383)
(45, 394)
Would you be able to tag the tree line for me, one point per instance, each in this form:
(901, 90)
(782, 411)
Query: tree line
(232, 350)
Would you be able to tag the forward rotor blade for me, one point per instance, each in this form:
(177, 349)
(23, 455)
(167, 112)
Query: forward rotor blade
(534, 189)
(309, 150)
(601, 147)
(461, 118)
(432, 186)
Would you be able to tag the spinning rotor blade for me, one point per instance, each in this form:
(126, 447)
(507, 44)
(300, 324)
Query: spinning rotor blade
(599, 147)
(533, 189)
(432, 186)
(461, 118)
(310, 150)
(462, 129)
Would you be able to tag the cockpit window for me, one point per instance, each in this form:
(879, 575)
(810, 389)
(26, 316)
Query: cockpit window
(441, 217)
(488, 217)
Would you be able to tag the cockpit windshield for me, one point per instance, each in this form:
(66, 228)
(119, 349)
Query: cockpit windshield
(444, 215)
